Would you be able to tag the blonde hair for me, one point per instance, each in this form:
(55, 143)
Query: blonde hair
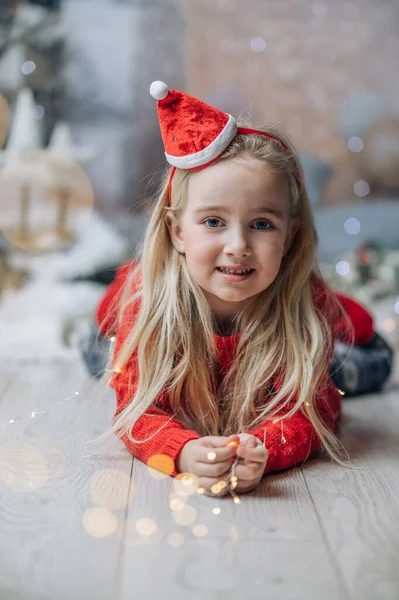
(172, 334)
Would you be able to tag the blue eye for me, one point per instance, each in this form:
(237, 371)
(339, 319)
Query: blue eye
(258, 221)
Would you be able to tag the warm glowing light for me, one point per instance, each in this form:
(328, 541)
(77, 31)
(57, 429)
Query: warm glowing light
(341, 392)
(175, 540)
(176, 504)
(232, 443)
(160, 466)
(200, 530)
(389, 325)
(109, 488)
(146, 527)
(185, 516)
(237, 500)
(211, 455)
(186, 484)
(201, 490)
(99, 522)
(216, 511)
(218, 487)
(118, 370)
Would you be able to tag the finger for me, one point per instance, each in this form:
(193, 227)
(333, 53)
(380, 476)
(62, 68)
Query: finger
(216, 441)
(216, 470)
(215, 455)
(248, 473)
(258, 454)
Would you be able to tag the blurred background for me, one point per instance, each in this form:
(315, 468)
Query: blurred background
(82, 153)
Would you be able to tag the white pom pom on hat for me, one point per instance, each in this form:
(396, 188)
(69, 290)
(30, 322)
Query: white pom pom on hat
(159, 90)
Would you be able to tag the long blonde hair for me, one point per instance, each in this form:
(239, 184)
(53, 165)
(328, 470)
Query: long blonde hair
(172, 334)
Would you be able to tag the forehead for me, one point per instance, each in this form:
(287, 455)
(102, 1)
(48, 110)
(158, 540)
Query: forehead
(238, 186)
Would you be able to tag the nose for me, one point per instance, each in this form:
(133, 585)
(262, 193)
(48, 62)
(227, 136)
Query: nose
(237, 242)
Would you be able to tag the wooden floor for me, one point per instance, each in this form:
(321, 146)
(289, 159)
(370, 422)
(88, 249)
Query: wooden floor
(76, 520)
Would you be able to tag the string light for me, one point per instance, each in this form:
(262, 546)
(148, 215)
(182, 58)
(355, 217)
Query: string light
(217, 488)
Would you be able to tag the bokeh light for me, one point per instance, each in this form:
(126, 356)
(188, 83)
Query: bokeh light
(258, 44)
(28, 67)
(389, 325)
(355, 144)
(200, 530)
(112, 488)
(396, 307)
(176, 504)
(146, 527)
(342, 267)
(99, 522)
(185, 516)
(216, 510)
(186, 484)
(160, 466)
(361, 188)
(352, 226)
(175, 540)
(23, 467)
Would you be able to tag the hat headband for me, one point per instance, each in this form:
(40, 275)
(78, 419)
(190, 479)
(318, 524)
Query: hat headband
(195, 134)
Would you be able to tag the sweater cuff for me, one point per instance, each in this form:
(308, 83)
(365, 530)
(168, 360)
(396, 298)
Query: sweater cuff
(175, 444)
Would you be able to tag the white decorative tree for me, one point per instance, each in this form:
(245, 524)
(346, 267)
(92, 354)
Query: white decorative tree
(25, 136)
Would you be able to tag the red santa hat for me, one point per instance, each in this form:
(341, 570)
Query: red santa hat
(194, 133)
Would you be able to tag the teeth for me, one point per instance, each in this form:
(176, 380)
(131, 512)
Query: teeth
(244, 272)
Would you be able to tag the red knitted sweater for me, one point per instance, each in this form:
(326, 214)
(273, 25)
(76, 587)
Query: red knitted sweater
(289, 443)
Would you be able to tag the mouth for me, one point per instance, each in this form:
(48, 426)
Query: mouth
(235, 277)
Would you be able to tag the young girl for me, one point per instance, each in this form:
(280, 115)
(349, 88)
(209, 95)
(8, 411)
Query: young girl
(205, 360)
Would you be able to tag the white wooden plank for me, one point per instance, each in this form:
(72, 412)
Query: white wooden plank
(359, 510)
(46, 551)
(230, 568)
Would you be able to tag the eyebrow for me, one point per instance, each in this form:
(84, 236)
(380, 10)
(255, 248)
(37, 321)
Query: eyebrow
(260, 209)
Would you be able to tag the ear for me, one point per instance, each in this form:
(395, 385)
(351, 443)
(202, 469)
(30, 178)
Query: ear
(175, 232)
(291, 231)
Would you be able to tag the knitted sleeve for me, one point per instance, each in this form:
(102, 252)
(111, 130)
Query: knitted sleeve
(164, 434)
(294, 440)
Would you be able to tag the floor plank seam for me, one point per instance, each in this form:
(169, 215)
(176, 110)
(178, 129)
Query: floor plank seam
(334, 562)
(117, 594)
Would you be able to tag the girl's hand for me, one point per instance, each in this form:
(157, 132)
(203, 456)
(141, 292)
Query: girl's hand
(210, 458)
(253, 458)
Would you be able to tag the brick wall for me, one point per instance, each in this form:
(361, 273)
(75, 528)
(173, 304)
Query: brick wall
(317, 53)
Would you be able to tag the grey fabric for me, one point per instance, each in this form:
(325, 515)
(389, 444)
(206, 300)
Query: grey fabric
(361, 369)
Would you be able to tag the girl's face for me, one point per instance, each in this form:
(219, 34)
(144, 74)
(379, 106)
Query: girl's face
(248, 225)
